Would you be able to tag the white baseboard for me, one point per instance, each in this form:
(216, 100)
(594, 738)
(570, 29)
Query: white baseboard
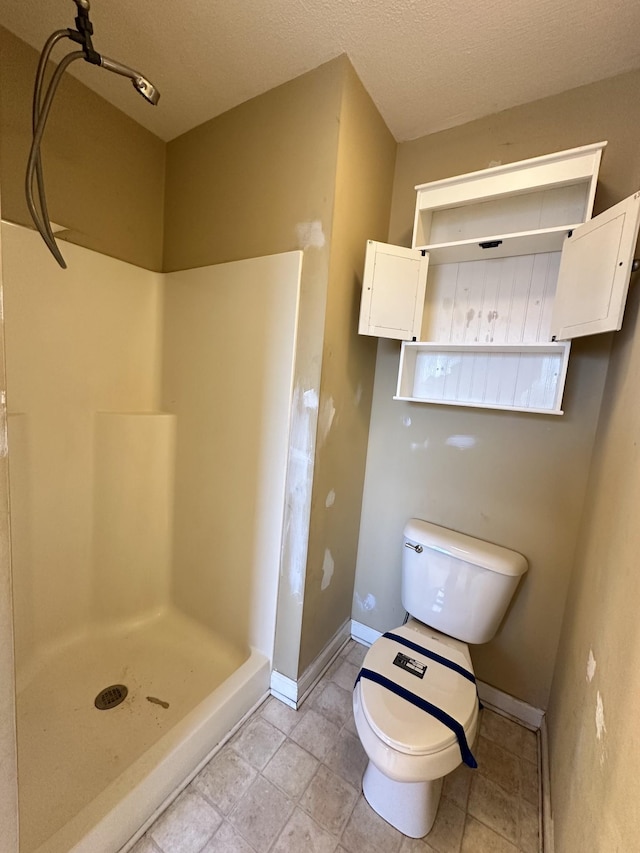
(363, 634)
(293, 693)
(285, 689)
(546, 817)
(509, 706)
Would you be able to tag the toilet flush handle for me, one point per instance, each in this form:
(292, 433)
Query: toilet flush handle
(416, 548)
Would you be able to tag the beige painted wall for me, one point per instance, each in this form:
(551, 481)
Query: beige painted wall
(104, 173)
(594, 743)
(239, 185)
(8, 753)
(364, 173)
(523, 482)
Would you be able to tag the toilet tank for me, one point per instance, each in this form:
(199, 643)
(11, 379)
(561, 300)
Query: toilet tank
(457, 584)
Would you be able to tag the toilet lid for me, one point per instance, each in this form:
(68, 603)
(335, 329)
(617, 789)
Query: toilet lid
(402, 725)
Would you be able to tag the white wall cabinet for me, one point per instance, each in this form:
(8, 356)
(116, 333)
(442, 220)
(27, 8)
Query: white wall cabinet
(595, 268)
(506, 267)
(393, 292)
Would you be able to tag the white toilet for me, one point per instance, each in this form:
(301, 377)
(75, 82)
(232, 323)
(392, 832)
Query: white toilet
(415, 701)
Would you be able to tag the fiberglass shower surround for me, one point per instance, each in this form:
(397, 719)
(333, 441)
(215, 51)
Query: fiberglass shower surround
(42, 106)
(144, 553)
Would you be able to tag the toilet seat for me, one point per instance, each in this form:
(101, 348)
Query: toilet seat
(397, 722)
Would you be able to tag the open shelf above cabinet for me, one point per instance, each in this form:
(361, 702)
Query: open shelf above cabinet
(523, 378)
(504, 263)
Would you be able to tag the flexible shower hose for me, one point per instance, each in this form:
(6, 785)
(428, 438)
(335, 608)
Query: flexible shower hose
(40, 115)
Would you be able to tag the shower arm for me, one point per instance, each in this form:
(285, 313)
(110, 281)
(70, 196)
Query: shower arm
(83, 32)
(82, 36)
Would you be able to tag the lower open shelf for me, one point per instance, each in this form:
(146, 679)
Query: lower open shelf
(517, 377)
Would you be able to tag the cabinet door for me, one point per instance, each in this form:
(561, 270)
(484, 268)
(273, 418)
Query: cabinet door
(393, 291)
(594, 273)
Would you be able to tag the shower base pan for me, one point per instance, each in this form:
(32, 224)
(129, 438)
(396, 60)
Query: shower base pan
(90, 778)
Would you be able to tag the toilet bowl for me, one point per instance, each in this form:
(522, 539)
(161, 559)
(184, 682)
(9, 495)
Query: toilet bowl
(415, 701)
(409, 750)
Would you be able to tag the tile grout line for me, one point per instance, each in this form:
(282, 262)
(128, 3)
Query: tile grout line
(321, 763)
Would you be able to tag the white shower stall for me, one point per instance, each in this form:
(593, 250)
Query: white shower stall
(148, 441)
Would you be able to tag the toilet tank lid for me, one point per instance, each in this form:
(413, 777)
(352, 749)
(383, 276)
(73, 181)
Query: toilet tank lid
(486, 555)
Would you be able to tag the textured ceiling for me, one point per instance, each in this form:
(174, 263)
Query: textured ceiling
(428, 64)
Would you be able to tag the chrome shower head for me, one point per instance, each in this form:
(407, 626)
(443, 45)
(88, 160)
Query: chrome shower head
(147, 90)
(140, 83)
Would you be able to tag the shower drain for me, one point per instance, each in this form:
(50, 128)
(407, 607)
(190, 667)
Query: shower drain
(110, 697)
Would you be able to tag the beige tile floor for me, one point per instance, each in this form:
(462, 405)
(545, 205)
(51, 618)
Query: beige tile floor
(290, 782)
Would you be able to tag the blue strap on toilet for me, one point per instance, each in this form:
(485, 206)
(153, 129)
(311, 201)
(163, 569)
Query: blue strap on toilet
(433, 710)
(435, 657)
(432, 655)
